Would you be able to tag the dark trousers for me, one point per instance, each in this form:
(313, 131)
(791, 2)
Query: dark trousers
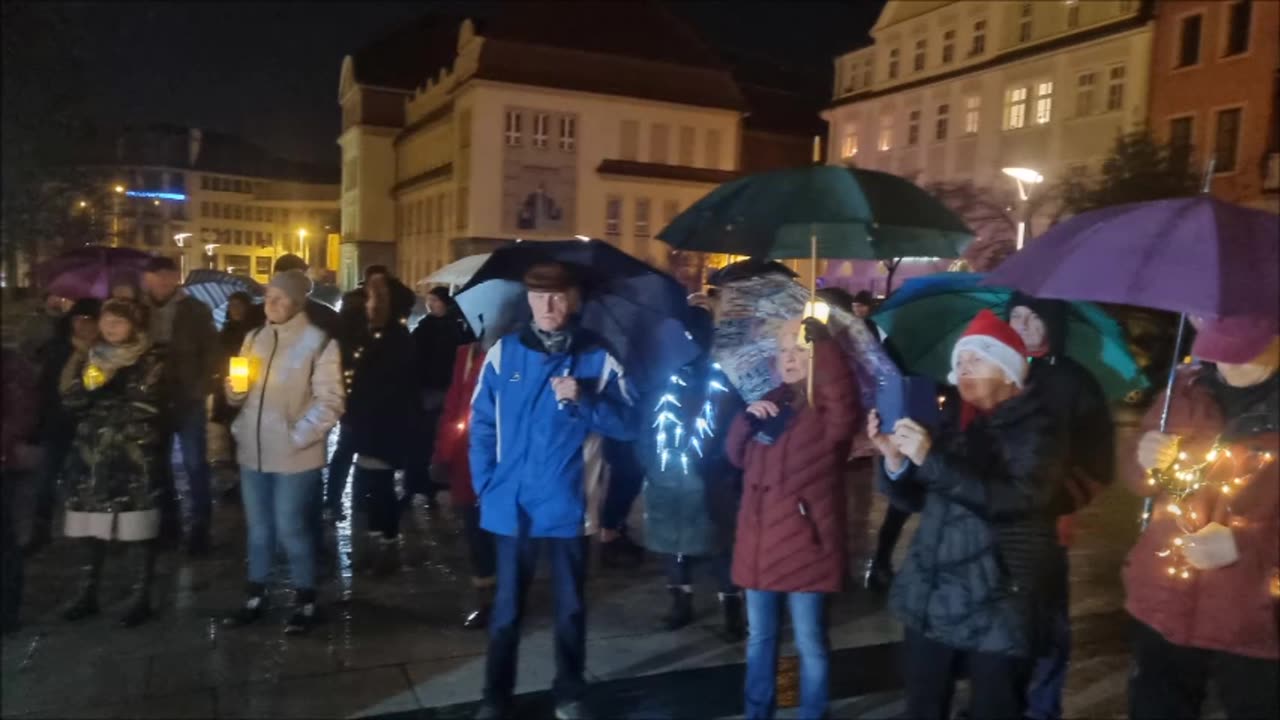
(189, 432)
(417, 476)
(480, 544)
(56, 447)
(1049, 674)
(1168, 681)
(626, 479)
(680, 571)
(339, 468)
(890, 531)
(11, 557)
(997, 683)
(517, 561)
(379, 500)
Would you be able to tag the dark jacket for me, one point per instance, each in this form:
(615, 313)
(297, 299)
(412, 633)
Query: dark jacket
(978, 575)
(190, 356)
(324, 317)
(791, 527)
(691, 499)
(435, 343)
(20, 405)
(1231, 609)
(381, 409)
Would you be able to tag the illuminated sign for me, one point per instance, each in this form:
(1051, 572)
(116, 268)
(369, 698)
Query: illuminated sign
(155, 195)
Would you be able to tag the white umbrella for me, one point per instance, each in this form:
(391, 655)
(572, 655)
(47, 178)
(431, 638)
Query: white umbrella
(456, 273)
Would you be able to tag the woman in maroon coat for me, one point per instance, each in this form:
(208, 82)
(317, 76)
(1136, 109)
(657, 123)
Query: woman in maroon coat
(791, 527)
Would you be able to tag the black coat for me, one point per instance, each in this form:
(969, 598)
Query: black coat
(979, 575)
(435, 343)
(1077, 403)
(381, 408)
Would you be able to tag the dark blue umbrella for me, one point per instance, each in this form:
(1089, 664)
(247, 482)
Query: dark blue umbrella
(635, 309)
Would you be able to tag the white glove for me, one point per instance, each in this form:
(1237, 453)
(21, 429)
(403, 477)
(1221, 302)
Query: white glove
(1211, 547)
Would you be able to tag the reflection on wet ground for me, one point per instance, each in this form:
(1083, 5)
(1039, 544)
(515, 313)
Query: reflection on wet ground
(393, 646)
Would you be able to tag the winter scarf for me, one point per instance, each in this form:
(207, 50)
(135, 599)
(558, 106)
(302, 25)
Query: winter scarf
(554, 342)
(112, 358)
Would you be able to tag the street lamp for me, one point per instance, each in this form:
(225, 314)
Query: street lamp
(181, 241)
(1024, 177)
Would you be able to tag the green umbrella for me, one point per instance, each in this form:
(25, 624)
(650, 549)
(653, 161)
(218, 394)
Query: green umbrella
(927, 315)
(821, 211)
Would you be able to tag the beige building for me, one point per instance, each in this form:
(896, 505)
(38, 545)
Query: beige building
(529, 126)
(954, 91)
(212, 200)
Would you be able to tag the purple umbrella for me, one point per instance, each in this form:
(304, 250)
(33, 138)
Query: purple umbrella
(89, 271)
(1194, 255)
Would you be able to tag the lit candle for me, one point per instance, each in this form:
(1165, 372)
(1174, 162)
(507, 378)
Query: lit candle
(93, 377)
(239, 374)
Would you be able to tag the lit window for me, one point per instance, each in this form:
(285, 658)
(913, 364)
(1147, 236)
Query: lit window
(885, 141)
(512, 132)
(917, 62)
(948, 46)
(972, 109)
(540, 122)
(1085, 83)
(1015, 108)
(849, 144)
(612, 217)
(893, 64)
(1044, 102)
(1115, 88)
(913, 127)
(642, 219)
(568, 133)
(940, 125)
(979, 45)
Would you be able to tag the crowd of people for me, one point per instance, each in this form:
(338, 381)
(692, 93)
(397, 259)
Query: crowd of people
(543, 440)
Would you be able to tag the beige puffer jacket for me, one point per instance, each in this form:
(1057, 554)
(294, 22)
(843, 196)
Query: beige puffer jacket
(295, 397)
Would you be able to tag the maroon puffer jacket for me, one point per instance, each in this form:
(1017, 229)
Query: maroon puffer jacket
(791, 526)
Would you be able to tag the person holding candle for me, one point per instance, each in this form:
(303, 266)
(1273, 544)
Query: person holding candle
(978, 586)
(790, 543)
(1203, 580)
(115, 390)
(294, 397)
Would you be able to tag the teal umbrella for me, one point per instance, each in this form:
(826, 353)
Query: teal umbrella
(925, 317)
(821, 211)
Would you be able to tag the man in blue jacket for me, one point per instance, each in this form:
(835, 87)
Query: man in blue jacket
(545, 398)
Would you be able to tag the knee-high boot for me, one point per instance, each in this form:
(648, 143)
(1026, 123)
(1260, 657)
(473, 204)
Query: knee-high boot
(144, 559)
(86, 602)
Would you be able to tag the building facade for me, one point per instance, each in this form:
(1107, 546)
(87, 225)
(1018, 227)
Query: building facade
(1214, 86)
(605, 123)
(212, 201)
(957, 91)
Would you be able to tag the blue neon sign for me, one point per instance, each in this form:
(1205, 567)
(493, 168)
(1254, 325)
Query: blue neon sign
(155, 195)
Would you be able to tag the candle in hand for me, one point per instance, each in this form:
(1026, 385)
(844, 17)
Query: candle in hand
(93, 377)
(239, 374)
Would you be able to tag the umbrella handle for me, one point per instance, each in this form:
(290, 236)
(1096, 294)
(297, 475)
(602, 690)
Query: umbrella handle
(813, 302)
(1149, 503)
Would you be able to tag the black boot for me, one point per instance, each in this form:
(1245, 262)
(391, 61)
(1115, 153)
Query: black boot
(254, 607)
(734, 630)
(304, 613)
(878, 576)
(140, 604)
(681, 612)
(478, 619)
(86, 602)
(621, 552)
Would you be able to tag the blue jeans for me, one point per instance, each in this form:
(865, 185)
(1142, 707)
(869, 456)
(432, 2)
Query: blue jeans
(764, 611)
(281, 506)
(1049, 675)
(190, 429)
(517, 560)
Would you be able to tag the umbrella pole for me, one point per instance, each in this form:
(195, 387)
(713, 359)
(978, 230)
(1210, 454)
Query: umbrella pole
(1149, 503)
(813, 303)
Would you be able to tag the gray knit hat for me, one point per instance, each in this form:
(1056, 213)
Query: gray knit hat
(293, 283)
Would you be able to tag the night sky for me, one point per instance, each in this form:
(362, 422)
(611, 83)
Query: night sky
(269, 70)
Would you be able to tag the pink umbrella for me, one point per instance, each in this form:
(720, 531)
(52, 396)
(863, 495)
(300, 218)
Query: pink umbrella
(89, 271)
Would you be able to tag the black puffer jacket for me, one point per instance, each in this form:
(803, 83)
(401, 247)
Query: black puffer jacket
(381, 406)
(978, 575)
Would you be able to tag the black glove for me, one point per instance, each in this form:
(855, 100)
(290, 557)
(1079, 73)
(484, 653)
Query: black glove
(814, 330)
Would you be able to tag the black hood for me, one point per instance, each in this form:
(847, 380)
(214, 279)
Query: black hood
(1053, 313)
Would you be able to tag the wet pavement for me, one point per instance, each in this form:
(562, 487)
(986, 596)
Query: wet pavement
(394, 647)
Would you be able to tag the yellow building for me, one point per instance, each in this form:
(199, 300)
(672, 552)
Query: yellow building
(458, 136)
(212, 200)
(956, 91)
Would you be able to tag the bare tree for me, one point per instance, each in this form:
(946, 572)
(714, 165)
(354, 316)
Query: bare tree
(988, 213)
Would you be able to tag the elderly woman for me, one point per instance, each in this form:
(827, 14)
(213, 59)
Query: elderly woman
(790, 544)
(114, 471)
(976, 589)
(295, 397)
(1203, 583)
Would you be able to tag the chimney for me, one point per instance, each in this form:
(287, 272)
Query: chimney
(194, 138)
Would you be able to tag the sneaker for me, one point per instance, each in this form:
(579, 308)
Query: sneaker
(254, 607)
(303, 617)
(573, 711)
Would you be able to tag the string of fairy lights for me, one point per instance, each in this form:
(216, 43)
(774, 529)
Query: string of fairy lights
(1186, 478)
(673, 439)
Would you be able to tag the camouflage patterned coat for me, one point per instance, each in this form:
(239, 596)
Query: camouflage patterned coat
(115, 466)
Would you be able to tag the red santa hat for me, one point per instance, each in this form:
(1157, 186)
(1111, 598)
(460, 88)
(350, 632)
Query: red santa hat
(993, 339)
